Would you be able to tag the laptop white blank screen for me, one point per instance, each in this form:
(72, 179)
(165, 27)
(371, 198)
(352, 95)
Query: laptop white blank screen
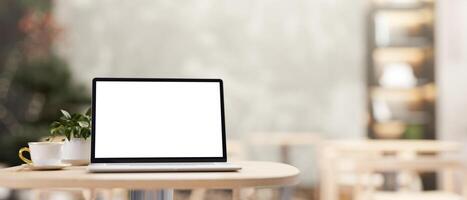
(157, 119)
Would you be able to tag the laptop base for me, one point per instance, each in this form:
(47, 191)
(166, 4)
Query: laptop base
(163, 167)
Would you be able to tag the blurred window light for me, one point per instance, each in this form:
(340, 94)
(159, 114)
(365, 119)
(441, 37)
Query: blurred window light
(398, 75)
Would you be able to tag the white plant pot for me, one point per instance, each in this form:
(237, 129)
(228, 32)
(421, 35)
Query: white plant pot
(77, 151)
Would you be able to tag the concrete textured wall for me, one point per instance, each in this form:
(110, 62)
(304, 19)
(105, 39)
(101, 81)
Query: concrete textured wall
(296, 65)
(452, 70)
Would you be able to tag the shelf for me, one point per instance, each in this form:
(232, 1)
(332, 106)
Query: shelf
(421, 45)
(420, 42)
(389, 130)
(414, 117)
(418, 94)
(405, 5)
(413, 55)
(398, 130)
(402, 7)
(427, 87)
(401, 88)
(418, 122)
(404, 48)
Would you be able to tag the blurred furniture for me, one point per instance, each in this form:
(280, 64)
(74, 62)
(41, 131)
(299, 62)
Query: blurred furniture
(401, 69)
(286, 141)
(339, 160)
(366, 168)
(76, 194)
(253, 174)
(236, 151)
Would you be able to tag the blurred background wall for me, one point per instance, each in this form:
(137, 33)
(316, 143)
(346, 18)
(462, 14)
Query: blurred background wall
(452, 70)
(287, 65)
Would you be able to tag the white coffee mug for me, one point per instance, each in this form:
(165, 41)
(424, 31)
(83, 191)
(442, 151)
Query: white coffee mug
(42, 153)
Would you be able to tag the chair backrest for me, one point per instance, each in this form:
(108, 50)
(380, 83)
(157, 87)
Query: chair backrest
(236, 150)
(284, 138)
(285, 141)
(408, 171)
(347, 157)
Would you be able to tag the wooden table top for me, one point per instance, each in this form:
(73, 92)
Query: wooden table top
(253, 174)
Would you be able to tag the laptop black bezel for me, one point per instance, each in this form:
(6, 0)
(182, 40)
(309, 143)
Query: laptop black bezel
(156, 159)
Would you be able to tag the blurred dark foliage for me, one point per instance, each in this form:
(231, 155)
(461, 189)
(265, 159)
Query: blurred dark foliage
(34, 82)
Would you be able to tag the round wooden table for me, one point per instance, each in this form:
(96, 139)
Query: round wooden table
(253, 174)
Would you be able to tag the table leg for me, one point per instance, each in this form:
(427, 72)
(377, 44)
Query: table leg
(243, 193)
(285, 153)
(89, 194)
(198, 194)
(164, 194)
(286, 193)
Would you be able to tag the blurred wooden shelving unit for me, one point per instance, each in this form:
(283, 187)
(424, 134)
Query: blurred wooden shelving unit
(401, 79)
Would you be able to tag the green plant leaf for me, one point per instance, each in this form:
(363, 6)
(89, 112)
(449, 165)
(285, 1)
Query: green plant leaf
(86, 132)
(83, 123)
(57, 131)
(88, 112)
(61, 130)
(66, 114)
(68, 137)
(54, 124)
(68, 132)
(77, 132)
(54, 131)
(82, 118)
(72, 125)
(75, 116)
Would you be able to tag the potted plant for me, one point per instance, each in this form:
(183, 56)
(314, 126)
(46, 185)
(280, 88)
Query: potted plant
(76, 128)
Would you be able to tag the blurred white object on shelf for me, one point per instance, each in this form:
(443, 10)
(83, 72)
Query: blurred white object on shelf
(398, 75)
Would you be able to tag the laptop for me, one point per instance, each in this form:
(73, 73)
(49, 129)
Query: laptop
(155, 124)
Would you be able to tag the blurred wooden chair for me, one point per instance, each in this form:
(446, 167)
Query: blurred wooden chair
(339, 160)
(286, 141)
(366, 168)
(236, 151)
(79, 194)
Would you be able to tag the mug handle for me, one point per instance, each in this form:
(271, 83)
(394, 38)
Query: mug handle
(20, 154)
